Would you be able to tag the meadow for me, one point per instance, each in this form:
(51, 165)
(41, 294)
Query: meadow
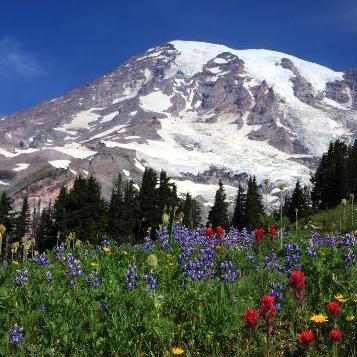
(186, 292)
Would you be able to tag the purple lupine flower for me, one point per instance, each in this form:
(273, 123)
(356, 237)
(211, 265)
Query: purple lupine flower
(292, 257)
(60, 249)
(48, 277)
(272, 263)
(148, 243)
(74, 268)
(311, 251)
(163, 237)
(229, 271)
(16, 335)
(276, 290)
(21, 277)
(150, 279)
(349, 259)
(41, 259)
(105, 243)
(93, 279)
(132, 277)
(103, 307)
(43, 307)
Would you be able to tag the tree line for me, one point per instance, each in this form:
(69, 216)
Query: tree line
(128, 216)
(131, 214)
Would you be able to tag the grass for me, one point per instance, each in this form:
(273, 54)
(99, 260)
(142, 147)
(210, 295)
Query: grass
(203, 316)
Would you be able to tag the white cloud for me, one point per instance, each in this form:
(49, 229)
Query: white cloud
(18, 61)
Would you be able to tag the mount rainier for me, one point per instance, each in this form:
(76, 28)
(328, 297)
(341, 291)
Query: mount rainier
(199, 111)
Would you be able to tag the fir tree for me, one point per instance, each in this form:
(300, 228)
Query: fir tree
(218, 215)
(131, 211)
(149, 213)
(86, 213)
(46, 232)
(297, 201)
(238, 220)
(23, 220)
(192, 213)
(253, 206)
(352, 168)
(60, 213)
(330, 182)
(116, 210)
(6, 212)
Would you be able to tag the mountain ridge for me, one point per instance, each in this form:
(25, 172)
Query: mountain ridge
(200, 111)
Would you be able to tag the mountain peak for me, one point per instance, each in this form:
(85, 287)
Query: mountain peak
(200, 111)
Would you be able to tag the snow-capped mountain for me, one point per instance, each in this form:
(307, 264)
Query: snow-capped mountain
(199, 111)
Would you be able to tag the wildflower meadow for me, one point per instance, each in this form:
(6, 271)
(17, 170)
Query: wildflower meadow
(200, 292)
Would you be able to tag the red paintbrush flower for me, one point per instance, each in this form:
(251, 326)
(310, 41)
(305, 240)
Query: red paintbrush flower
(297, 280)
(219, 231)
(335, 335)
(305, 338)
(297, 283)
(250, 317)
(333, 308)
(209, 232)
(267, 308)
(259, 235)
(272, 230)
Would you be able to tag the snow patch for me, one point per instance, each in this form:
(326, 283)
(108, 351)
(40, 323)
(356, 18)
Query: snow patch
(60, 164)
(21, 166)
(139, 165)
(126, 173)
(109, 117)
(75, 150)
(155, 102)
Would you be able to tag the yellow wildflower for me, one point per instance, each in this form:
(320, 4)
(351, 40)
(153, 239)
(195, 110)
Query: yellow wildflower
(320, 318)
(340, 298)
(15, 262)
(93, 264)
(177, 351)
(350, 318)
(152, 260)
(106, 249)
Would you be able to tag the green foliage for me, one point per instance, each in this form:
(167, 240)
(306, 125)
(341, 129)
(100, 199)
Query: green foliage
(204, 317)
(218, 215)
(334, 175)
(253, 205)
(192, 213)
(238, 220)
(116, 210)
(23, 220)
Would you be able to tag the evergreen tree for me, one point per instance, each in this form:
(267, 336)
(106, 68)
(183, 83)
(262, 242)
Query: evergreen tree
(238, 220)
(352, 168)
(192, 213)
(218, 215)
(164, 192)
(297, 201)
(116, 210)
(330, 182)
(86, 213)
(23, 220)
(46, 232)
(130, 215)
(149, 214)
(6, 212)
(253, 206)
(60, 213)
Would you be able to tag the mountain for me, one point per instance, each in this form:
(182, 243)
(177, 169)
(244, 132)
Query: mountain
(199, 111)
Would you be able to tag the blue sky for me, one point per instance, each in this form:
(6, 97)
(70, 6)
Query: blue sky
(49, 47)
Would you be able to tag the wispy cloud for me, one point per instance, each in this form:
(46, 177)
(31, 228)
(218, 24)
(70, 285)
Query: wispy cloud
(16, 61)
